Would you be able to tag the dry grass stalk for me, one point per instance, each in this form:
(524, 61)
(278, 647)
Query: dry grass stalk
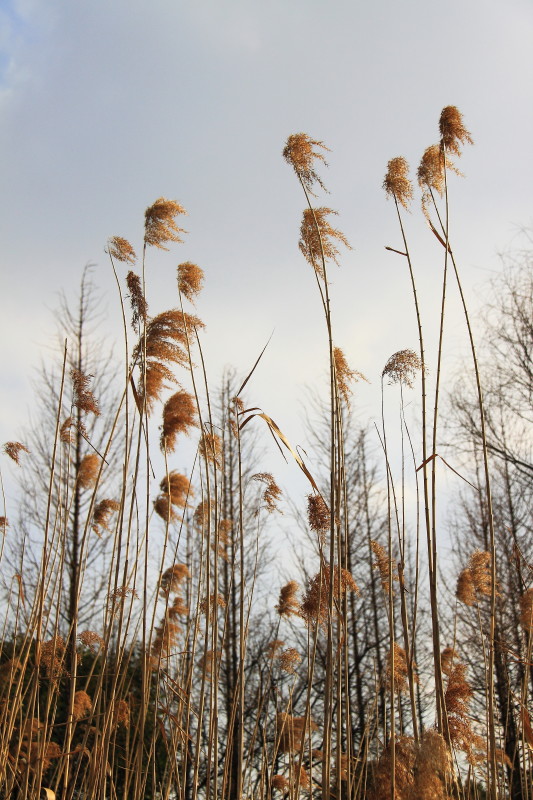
(288, 604)
(210, 606)
(402, 367)
(318, 238)
(179, 416)
(160, 226)
(292, 732)
(397, 183)
(272, 491)
(190, 280)
(301, 154)
(14, 449)
(314, 608)
(138, 303)
(121, 250)
(526, 611)
(452, 130)
(88, 471)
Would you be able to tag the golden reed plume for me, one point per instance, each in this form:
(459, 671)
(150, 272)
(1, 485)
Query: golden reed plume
(402, 367)
(300, 153)
(397, 183)
(452, 131)
(318, 238)
(160, 226)
(121, 250)
(190, 280)
(14, 449)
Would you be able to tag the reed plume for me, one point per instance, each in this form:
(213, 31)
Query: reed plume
(318, 238)
(452, 130)
(82, 397)
(457, 699)
(14, 449)
(402, 367)
(190, 280)
(273, 647)
(160, 226)
(475, 580)
(179, 416)
(397, 183)
(138, 303)
(314, 608)
(345, 375)
(384, 565)
(210, 448)
(526, 611)
(172, 578)
(292, 731)
(102, 514)
(280, 783)
(318, 515)
(289, 659)
(401, 670)
(88, 471)
(288, 603)
(300, 153)
(83, 705)
(404, 761)
(121, 250)
(272, 492)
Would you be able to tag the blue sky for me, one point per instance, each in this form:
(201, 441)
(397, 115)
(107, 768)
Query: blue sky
(106, 106)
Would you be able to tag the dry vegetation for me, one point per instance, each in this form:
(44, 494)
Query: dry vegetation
(144, 654)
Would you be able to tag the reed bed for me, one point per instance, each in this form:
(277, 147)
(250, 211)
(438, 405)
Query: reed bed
(144, 654)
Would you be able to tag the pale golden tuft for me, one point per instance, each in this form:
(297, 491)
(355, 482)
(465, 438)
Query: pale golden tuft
(288, 603)
(345, 375)
(121, 250)
(272, 491)
(83, 705)
(14, 449)
(179, 416)
(402, 367)
(178, 487)
(160, 226)
(102, 514)
(289, 659)
(88, 471)
(82, 397)
(138, 303)
(404, 763)
(190, 279)
(300, 153)
(452, 131)
(318, 239)
(447, 657)
(397, 183)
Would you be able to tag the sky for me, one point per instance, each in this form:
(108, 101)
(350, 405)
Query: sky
(106, 106)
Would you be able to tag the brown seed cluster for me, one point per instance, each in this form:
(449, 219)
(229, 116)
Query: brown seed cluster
(120, 714)
(83, 705)
(102, 514)
(475, 580)
(301, 154)
(457, 698)
(190, 280)
(138, 303)
(175, 489)
(397, 669)
(121, 250)
(452, 130)
(172, 578)
(384, 565)
(289, 659)
(288, 604)
(82, 397)
(272, 492)
(14, 449)
(345, 375)
(526, 611)
(210, 448)
(91, 639)
(318, 239)
(318, 515)
(292, 732)
(273, 647)
(88, 471)
(179, 416)
(314, 608)
(52, 657)
(402, 367)
(160, 225)
(397, 183)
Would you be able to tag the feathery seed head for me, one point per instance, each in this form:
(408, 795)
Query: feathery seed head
(397, 183)
(318, 515)
(384, 564)
(280, 783)
(178, 487)
(82, 397)
(190, 279)
(299, 152)
(272, 491)
(121, 250)
(160, 226)
(288, 603)
(138, 303)
(402, 367)
(179, 415)
(289, 659)
(318, 238)
(102, 514)
(91, 639)
(452, 131)
(88, 471)
(163, 508)
(83, 705)
(173, 577)
(273, 647)
(14, 449)
(314, 608)
(210, 448)
(399, 669)
(526, 611)
(344, 374)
